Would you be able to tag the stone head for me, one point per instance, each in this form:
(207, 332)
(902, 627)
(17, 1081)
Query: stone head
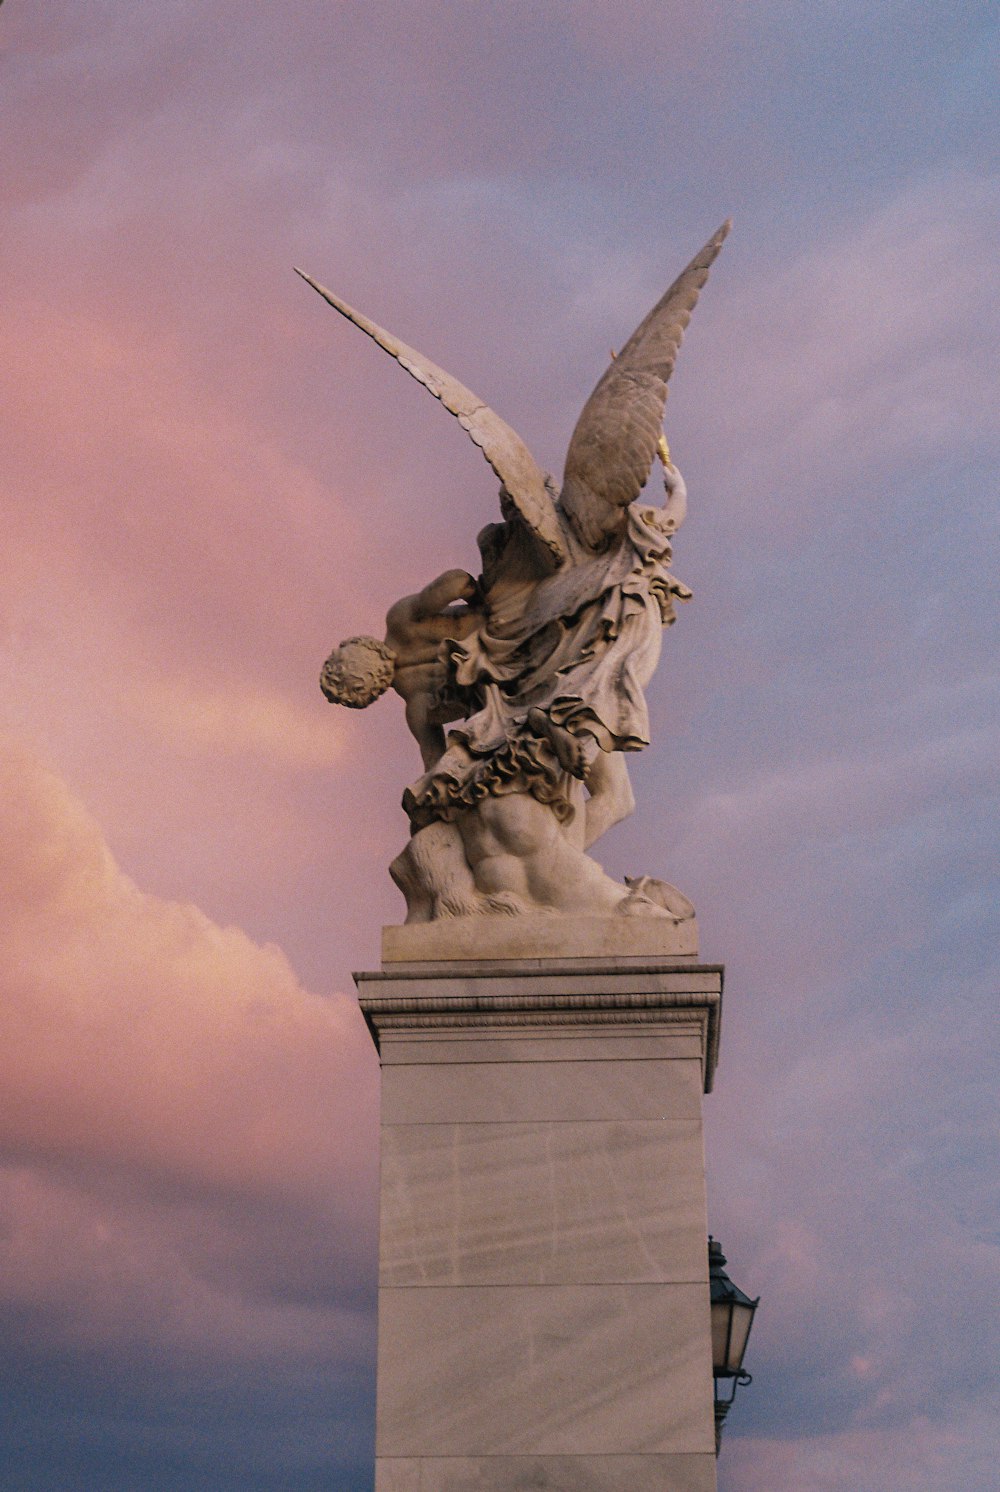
(357, 672)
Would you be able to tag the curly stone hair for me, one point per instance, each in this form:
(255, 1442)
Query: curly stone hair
(357, 672)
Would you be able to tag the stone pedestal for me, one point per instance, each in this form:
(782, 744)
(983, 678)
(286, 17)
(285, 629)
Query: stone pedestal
(543, 1287)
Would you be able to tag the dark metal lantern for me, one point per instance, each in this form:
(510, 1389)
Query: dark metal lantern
(732, 1318)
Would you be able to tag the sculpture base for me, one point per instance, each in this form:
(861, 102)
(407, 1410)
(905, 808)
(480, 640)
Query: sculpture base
(479, 938)
(543, 1286)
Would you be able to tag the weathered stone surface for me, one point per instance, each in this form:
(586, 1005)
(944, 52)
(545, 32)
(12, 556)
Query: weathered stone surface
(547, 1370)
(542, 1203)
(543, 1306)
(539, 937)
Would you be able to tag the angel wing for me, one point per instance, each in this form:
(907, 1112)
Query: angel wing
(612, 447)
(503, 448)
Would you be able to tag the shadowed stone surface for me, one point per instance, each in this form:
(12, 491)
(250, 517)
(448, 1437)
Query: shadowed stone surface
(557, 1091)
(548, 1474)
(514, 1047)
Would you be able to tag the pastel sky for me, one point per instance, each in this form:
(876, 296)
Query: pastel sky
(208, 479)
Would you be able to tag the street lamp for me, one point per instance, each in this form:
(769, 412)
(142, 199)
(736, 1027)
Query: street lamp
(732, 1318)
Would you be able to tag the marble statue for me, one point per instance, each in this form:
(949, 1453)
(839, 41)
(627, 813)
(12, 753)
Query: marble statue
(538, 665)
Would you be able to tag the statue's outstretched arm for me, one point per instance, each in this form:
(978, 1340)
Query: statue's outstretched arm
(676, 504)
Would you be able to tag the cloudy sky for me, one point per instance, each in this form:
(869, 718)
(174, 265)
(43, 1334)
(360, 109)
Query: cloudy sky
(207, 479)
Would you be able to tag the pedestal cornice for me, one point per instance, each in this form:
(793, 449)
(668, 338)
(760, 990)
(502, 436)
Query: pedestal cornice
(525, 995)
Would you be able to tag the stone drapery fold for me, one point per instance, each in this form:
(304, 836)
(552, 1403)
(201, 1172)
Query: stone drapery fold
(581, 650)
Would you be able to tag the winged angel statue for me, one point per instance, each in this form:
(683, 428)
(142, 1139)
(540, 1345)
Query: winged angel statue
(539, 664)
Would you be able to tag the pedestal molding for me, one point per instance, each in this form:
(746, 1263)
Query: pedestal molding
(612, 1000)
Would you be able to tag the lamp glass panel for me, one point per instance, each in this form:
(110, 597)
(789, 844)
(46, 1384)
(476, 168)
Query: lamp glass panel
(742, 1319)
(720, 1334)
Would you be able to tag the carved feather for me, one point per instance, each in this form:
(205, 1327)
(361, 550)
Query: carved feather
(503, 448)
(616, 437)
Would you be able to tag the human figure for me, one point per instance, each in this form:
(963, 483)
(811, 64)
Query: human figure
(362, 668)
(416, 628)
(475, 862)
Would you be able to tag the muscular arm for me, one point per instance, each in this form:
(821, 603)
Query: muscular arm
(453, 585)
(675, 506)
(416, 626)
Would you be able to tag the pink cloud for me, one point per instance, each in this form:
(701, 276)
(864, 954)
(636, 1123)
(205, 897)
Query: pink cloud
(163, 1078)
